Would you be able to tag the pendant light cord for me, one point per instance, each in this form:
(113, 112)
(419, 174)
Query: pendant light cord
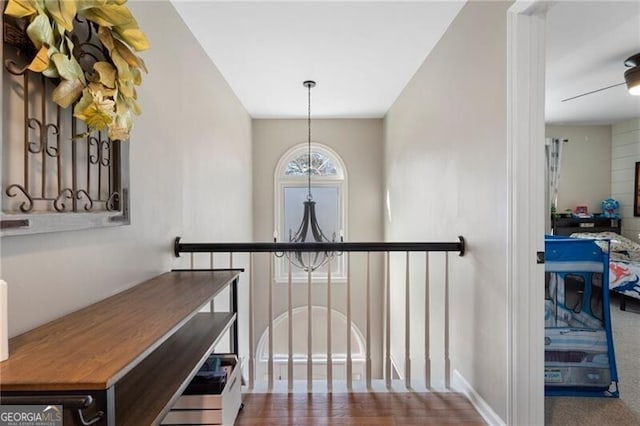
(309, 196)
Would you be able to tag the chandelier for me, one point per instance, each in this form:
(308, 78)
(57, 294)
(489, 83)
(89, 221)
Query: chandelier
(309, 229)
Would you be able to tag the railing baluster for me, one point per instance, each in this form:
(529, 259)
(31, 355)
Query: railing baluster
(309, 334)
(407, 324)
(290, 321)
(349, 358)
(368, 324)
(447, 361)
(252, 363)
(212, 307)
(329, 349)
(387, 316)
(230, 267)
(427, 326)
(255, 358)
(270, 367)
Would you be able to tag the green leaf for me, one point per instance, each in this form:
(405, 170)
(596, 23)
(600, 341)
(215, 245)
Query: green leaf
(115, 79)
(40, 31)
(68, 68)
(124, 71)
(133, 106)
(106, 91)
(41, 62)
(83, 103)
(134, 37)
(137, 76)
(63, 12)
(51, 71)
(106, 38)
(126, 53)
(127, 89)
(66, 46)
(123, 121)
(88, 4)
(94, 116)
(20, 8)
(67, 92)
(107, 73)
(117, 133)
(109, 15)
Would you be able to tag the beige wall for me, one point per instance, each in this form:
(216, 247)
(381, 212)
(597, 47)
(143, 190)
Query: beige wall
(359, 144)
(625, 152)
(585, 172)
(445, 179)
(190, 176)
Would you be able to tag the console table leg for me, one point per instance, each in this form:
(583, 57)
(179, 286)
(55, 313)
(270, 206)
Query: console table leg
(234, 309)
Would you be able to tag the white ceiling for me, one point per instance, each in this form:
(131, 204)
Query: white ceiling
(587, 44)
(362, 54)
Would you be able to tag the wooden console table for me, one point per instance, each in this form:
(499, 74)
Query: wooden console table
(126, 359)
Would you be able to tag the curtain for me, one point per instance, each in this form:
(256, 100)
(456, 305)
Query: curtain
(553, 149)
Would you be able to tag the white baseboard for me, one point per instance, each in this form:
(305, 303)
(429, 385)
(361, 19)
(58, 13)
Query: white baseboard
(460, 384)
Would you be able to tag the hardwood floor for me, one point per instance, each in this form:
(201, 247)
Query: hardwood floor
(357, 409)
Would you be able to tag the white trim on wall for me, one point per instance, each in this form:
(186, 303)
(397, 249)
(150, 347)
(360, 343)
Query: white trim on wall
(525, 145)
(461, 384)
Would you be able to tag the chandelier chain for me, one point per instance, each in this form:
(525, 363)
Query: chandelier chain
(309, 196)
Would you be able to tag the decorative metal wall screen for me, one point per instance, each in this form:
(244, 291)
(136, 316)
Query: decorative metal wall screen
(52, 164)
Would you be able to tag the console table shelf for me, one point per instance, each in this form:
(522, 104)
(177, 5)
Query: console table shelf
(133, 353)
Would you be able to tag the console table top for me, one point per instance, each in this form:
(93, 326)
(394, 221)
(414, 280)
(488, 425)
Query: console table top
(94, 347)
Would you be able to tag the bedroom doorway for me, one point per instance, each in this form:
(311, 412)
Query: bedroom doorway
(587, 45)
(525, 242)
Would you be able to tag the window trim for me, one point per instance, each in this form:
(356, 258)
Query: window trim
(281, 181)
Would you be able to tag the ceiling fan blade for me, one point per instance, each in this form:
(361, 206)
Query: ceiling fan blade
(593, 91)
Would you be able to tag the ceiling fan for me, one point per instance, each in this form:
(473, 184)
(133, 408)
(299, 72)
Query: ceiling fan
(631, 79)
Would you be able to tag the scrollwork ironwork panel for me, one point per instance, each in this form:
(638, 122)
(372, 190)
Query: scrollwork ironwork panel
(52, 164)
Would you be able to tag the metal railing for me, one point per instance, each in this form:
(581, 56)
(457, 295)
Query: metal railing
(335, 249)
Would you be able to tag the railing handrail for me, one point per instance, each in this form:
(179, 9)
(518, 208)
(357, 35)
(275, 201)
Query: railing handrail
(278, 249)
(179, 247)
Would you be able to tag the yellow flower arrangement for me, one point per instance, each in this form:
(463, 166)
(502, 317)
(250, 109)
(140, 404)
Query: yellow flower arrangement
(104, 96)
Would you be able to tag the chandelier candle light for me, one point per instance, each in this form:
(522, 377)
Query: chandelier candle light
(309, 230)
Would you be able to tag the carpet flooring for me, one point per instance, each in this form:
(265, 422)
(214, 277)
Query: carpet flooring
(566, 411)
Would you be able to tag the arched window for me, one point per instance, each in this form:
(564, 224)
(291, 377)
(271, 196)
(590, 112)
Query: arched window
(328, 188)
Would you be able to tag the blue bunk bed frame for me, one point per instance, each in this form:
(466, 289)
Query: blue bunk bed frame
(579, 352)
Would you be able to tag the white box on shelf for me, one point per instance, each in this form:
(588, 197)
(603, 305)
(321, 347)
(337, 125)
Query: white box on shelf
(210, 409)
